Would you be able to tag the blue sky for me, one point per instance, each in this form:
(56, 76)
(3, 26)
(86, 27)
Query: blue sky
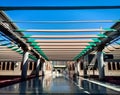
(62, 15)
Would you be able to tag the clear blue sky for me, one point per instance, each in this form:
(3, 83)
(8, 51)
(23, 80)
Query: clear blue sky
(54, 15)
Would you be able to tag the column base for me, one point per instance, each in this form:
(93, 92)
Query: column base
(43, 73)
(102, 79)
(23, 79)
(86, 76)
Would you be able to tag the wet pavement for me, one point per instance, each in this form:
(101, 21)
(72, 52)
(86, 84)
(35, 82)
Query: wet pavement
(57, 85)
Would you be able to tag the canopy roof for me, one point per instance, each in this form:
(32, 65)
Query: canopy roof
(65, 29)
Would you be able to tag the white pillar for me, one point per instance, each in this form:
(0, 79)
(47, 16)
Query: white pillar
(37, 67)
(78, 67)
(100, 64)
(85, 63)
(44, 68)
(24, 65)
(75, 68)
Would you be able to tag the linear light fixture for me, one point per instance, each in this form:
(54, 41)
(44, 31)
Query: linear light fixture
(65, 30)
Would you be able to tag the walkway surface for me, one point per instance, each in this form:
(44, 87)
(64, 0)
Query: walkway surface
(57, 85)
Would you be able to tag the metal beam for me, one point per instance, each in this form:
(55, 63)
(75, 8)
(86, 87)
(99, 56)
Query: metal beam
(63, 41)
(64, 30)
(61, 36)
(64, 47)
(72, 54)
(14, 36)
(104, 41)
(42, 44)
(61, 51)
(9, 8)
(53, 51)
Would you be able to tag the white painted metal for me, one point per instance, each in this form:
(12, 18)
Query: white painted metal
(100, 64)
(64, 30)
(64, 36)
(24, 65)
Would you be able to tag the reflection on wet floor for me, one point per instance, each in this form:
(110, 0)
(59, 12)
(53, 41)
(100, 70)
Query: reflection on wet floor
(56, 84)
(93, 88)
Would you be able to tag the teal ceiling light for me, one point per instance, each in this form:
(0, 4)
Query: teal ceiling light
(76, 57)
(33, 57)
(31, 41)
(85, 50)
(5, 44)
(79, 55)
(96, 40)
(19, 51)
(2, 40)
(33, 44)
(102, 35)
(10, 46)
(110, 29)
(15, 48)
(19, 30)
(26, 36)
(37, 48)
(92, 44)
(89, 47)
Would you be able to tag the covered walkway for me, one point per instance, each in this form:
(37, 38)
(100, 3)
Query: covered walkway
(76, 40)
(59, 85)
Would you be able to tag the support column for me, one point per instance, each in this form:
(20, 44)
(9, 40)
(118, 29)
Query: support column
(24, 65)
(43, 68)
(85, 63)
(42, 65)
(38, 67)
(76, 70)
(100, 65)
(78, 67)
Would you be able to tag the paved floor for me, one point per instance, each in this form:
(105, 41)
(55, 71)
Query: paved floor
(56, 85)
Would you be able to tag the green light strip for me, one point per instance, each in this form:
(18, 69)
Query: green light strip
(102, 35)
(33, 44)
(10, 46)
(19, 30)
(2, 40)
(31, 41)
(32, 57)
(37, 48)
(96, 40)
(5, 44)
(26, 36)
(90, 46)
(13, 47)
(109, 29)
